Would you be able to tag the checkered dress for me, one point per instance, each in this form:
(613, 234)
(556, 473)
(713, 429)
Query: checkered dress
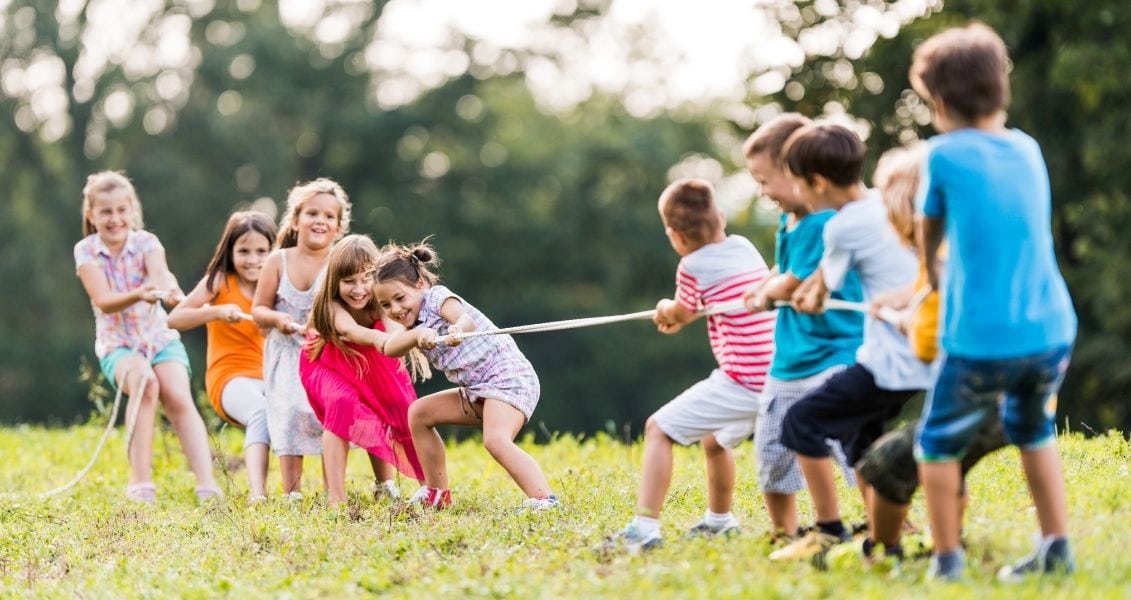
(489, 366)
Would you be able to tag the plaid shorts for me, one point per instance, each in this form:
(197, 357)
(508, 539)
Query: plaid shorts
(778, 472)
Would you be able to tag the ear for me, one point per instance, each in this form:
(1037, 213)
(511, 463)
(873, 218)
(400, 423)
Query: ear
(676, 236)
(820, 184)
(419, 283)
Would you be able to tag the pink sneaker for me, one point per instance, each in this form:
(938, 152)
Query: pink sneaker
(142, 492)
(204, 493)
(432, 497)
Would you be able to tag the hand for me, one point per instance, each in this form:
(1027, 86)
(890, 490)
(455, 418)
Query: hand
(454, 339)
(663, 308)
(809, 299)
(148, 292)
(426, 337)
(756, 300)
(229, 313)
(173, 297)
(289, 326)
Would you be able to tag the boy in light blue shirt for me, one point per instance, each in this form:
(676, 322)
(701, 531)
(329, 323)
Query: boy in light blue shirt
(1007, 320)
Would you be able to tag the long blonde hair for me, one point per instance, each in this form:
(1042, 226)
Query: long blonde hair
(102, 183)
(297, 197)
(352, 255)
(897, 177)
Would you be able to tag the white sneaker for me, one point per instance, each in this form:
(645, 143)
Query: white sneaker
(632, 540)
(386, 489)
(541, 504)
(295, 496)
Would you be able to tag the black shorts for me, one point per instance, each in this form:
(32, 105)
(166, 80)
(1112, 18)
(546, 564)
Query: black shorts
(848, 408)
(889, 465)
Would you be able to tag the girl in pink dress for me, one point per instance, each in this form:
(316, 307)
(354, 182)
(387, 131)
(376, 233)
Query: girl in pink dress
(359, 394)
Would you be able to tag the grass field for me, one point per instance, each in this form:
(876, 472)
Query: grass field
(91, 542)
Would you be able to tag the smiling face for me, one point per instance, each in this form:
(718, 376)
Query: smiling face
(112, 214)
(248, 253)
(356, 290)
(319, 221)
(400, 300)
(776, 183)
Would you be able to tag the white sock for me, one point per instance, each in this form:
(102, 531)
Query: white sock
(391, 487)
(716, 520)
(646, 525)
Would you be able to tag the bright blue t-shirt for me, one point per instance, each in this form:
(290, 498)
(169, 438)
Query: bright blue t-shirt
(1002, 292)
(808, 344)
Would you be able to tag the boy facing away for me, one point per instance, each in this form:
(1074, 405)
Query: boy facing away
(719, 411)
(1008, 323)
(810, 348)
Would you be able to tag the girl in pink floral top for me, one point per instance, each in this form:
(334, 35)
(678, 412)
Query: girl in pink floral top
(122, 268)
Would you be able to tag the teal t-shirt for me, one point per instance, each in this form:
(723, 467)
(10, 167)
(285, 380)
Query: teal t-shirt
(809, 344)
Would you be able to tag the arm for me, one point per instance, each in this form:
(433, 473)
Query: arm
(931, 232)
(262, 308)
(774, 288)
(809, 297)
(350, 331)
(402, 342)
(159, 273)
(107, 300)
(671, 316)
(195, 310)
(461, 322)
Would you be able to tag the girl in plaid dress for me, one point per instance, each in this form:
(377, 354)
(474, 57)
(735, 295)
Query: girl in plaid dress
(498, 388)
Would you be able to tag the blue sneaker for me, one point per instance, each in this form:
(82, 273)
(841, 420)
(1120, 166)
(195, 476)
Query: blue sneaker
(1052, 556)
(702, 530)
(632, 540)
(947, 567)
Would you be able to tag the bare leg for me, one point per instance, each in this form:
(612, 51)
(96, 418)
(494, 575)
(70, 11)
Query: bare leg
(382, 471)
(255, 457)
(720, 476)
(501, 423)
(656, 474)
(441, 408)
(941, 486)
(132, 373)
(335, 454)
(886, 520)
(818, 473)
(866, 492)
(783, 511)
(290, 471)
(1046, 486)
(176, 397)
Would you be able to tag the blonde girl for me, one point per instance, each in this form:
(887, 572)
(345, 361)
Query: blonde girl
(220, 302)
(317, 214)
(122, 268)
(498, 388)
(360, 395)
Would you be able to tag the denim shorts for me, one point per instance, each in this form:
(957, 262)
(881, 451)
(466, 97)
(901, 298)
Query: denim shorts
(1022, 389)
(174, 351)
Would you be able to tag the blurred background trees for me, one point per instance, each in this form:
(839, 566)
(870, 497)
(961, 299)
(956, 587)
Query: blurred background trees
(533, 155)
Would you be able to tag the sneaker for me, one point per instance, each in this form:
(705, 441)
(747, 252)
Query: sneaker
(541, 504)
(295, 496)
(1052, 556)
(432, 497)
(386, 489)
(259, 499)
(888, 560)
(632, 541)
(142, 492)
(205, 493)
(813, 545)
(947, 567)
(703, 530)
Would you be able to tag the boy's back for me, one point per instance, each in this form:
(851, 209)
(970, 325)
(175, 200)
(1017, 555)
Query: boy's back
(742, 343)
(1004, 295)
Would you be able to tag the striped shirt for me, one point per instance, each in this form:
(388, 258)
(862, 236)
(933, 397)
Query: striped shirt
(742, 343)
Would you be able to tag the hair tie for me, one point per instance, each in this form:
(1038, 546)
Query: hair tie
(415, 260)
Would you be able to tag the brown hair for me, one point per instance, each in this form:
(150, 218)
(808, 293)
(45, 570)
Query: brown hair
(408, 264)
(966, 68)
(688, 206)
(352, 255)
(770, 138)
(105, 182)
(297, 197)
(829, 150)
(897, 177)
(239, 223)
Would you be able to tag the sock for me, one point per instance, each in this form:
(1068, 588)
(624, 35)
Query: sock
(646, 525)
(950, 563)
(716, 520)
(867, 547)
(832, 528)
(895, 551)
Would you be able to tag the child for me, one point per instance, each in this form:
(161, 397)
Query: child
(719, 411)
(498, 388)
(1008, 321)
(122, 268)
(318, 212)
(359, 395)
(851, 406)
(234, 379)
(810, 348)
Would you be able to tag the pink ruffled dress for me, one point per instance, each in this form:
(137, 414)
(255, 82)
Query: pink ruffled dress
(364, 399)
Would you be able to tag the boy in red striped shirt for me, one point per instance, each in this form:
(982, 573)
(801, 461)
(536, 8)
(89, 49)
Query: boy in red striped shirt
(719, 411)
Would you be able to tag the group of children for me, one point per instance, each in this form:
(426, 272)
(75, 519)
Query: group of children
(990, 353)
(349, 325)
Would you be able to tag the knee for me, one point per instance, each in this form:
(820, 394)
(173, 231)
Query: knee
(418, 417)
(713, 448)
(497, 443)
(653, 432)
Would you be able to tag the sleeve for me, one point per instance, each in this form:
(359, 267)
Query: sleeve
(83, 253)
(686, 288)
(930, 200)
(807, 247)
(147, 242)
(836, 260)
(436, 297)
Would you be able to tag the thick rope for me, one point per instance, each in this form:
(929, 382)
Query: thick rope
(887, 314)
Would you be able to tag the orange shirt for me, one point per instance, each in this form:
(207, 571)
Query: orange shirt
(234, 349)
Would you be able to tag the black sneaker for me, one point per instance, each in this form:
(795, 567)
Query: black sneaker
(1052, 556)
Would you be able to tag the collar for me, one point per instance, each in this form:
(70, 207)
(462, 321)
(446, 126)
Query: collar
(128, 248)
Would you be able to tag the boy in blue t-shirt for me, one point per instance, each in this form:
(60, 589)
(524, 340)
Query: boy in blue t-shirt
(809, 348)
(1007, 320)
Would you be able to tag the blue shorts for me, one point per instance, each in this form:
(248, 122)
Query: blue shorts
(174, 351)
(1022, 389)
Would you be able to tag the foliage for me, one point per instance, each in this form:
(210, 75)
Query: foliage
(92, 542)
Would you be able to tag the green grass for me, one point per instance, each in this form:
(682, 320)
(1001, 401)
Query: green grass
(91, 542)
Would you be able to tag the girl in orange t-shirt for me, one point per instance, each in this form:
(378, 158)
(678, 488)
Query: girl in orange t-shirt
(222, 302)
